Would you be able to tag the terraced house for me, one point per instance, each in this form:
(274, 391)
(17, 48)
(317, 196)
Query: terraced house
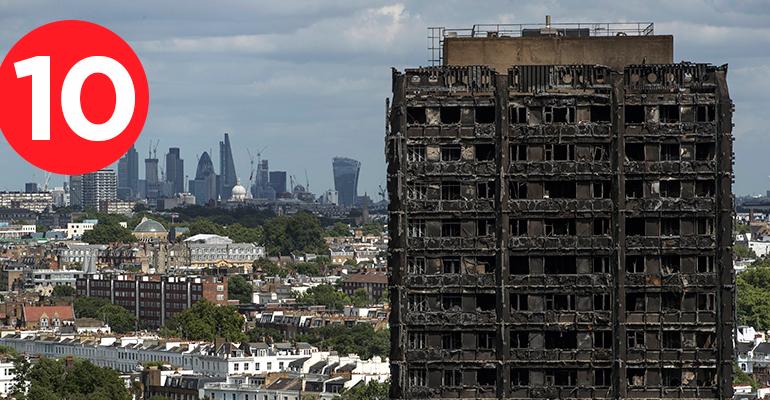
(560, 217)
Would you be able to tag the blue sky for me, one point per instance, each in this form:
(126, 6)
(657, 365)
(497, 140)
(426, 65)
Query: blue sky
(308, 79)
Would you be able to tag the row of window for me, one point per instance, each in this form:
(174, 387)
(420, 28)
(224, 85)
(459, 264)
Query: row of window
(669, 152)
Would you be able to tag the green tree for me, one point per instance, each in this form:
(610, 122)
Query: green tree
(360, 339)
(299, 232)
(241, 234)
(104, 233)
(373, 390)
(63, 291)
(21, 368)
(50, 380)
(118, 318)
(306, 268)
(324, 295)
(205, 226)
(743, 252)
(360, 297)
(207, 321)
(88, 307)
(373, 228)
(265, 334)
(753, 287)
(339, 229)
(238, 288)
(269, 268)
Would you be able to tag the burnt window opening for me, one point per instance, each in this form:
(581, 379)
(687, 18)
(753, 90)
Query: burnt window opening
(672, 340)
(705, 340)
(603, 377)
(634, 114)
(485, 152)
(450, 191)
(485, 190)
(705, 113)
(603, 339)
(519, 376)
(636, 302)
(636, 376)
(486, 340)
(416, 266)
(602, 302)
(417, 191)
(705, 264)
(560, 152)
(452, 377)
(634, 189)
(485, 227)
(559, 115)
(601, 265)
(635, 226)
(601, 114)
(560, 340)
(670, 301)
(450, 265)
(450, 115)
(705, 377)
(451, 341)
(518, 265)
(520, 302)
(559, 189)
(486, 302)
(415, 153)
(635, 151)
(487, 263)
(670, 188)
(601, 226)
(417, 378)
(670, 152)
(519, 340)
(705, 226)
(560, 377)
(416, 228)
(417, 302)
(705, 188)
(416, 115)
(485, 115)
(416, 340)
(600, 190)
(518, 227)
(450, 229)
(517, 190)
(670, 264)
(450, 153)
(451, 302)
(486, 377)
(706, 302)
(560, 302)
(559, 227)
(635, 264)
(668, 113)
(518, 115)
(560, 265)
(601, 153)
(518, 152)
(705, 151)
(635, 339)
(672, 377)
(669, 226)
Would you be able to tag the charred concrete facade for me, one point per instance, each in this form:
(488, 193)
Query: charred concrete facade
(561, 231)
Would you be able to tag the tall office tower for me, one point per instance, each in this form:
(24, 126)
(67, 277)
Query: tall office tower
(98, 187)
(128, 175)
(175, 170)
(278, 181)
(204, 186)
(76, 190)
(152, 182)
(560, 219)
(346, 179)
(262, 188)
(227, 178)
(30, 187)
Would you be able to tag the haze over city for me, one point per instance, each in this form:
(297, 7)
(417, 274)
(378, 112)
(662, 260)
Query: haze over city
(307, 80)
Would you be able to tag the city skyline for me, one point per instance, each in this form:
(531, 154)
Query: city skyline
(252, 77)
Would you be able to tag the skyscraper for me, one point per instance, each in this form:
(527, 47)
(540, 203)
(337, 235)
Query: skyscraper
(175, 170)
(98, 187)
(278, 181)
(346, 179)
(262, 188)
(76, 190)
(204, 186)
(151, 179)
(128, 175)
(560, 230)
(227, 178)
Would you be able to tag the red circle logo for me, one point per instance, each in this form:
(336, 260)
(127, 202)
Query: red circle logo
(74, 98)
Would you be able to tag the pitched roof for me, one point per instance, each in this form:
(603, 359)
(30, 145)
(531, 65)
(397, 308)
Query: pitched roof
(375, 277)
(34, 313)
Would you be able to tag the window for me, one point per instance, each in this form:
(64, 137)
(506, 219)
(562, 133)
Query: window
(558, 265)
(519, 376)
(416, 228)
(672, 377)
(486, 340)
(600, 190)
(601, 153)
(560, 340)
(485, 227)
(601, 226)
(635, 152)
(634, 114)
(485, 190)
(450, 153)
(486, 302)
(670, 188)
(668, 113)
(519, 302)
(635, 339)
(560, 302)
(518, 227)
(670, 264)
(704, 151)
(635, 226)
(672, 340)
(669, 226)
(450, 229)
(451, 341)
(416, 377)
(705, 226)
(603, 377)
(451, 302)
(416, 265)
(704, 188)
(559, 114)
(452, 377)
(517, 190)
(485, 152)
(601, 265)
(451, 265)
(417, 191)
(705, 113)
(450, 191)
(416, 302)
(636, 302)
(559, 152)
(450, 115)
(415, 115)
(705, 264)
(706, 302)
(518, 152)
(518, 265)
(636, 376)
(486, 377)
(670, 301)
(415, 153)
(561, 377)
(603, 339)
(559, 190)
(634, 189)
(602, 302)
(559, 227)
(600, 113)
(485, 115)
(518, 115)
(519, 340)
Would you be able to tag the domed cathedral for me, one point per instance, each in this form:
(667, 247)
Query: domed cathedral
(150, 230)
(238, 194)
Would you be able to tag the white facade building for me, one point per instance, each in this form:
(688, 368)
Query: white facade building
(75, 230)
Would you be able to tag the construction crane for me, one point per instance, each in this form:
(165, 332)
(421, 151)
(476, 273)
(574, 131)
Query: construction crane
(46, 180)
(251, 162)
(382, 193)
(307, 182)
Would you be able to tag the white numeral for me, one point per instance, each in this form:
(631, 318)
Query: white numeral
(39, 68)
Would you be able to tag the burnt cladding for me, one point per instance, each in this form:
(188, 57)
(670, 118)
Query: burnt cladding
(561, 231)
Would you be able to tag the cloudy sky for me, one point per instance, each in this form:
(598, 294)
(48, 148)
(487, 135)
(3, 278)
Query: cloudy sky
(307, 80)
